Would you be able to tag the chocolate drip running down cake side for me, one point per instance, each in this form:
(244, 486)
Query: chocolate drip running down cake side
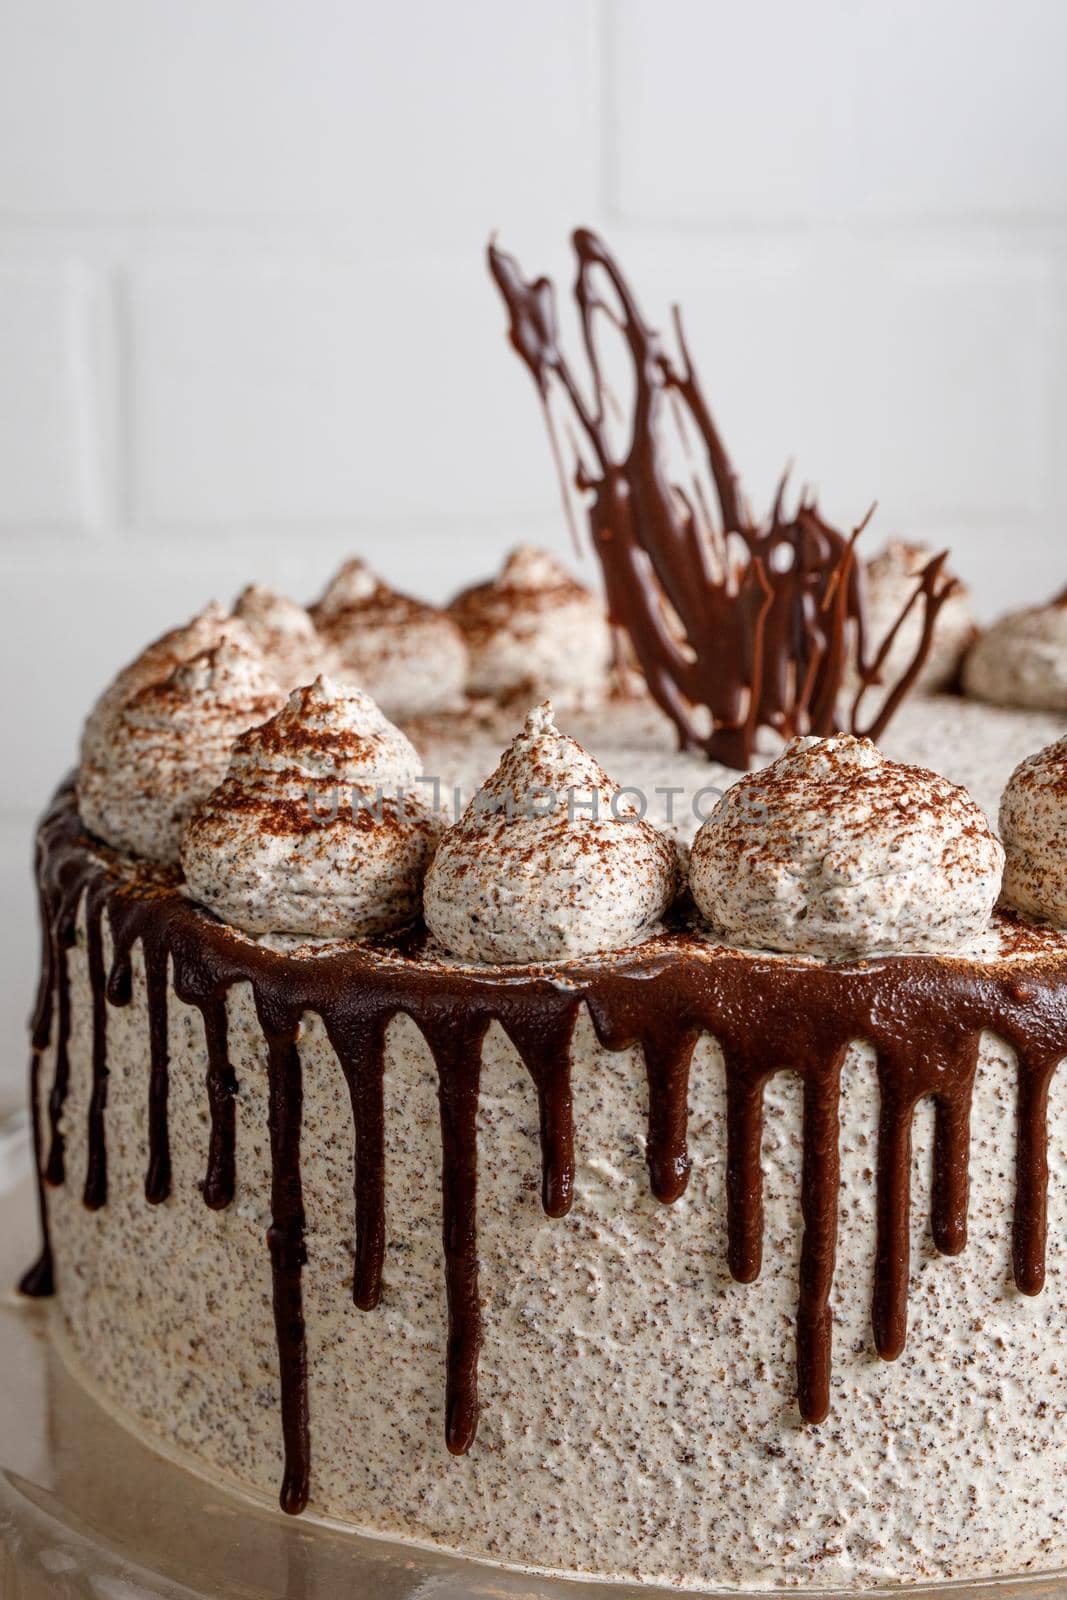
(664, 1182)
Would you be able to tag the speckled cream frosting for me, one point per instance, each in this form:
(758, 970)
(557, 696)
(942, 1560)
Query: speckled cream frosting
(638, 1419)
(1033, 826)
(549, 860)
(638, 1415)
(285, 633)
(834, 851)
(319, 827)
(408, 656)
(1022, 660)
(892, 579)
(156, 662)
(168, 746)
(534, 630)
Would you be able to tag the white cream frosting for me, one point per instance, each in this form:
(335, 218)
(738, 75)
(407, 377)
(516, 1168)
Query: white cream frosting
(352, 585)
(620, 1324)
(320, 826)
(835, 851)
(549, 860)
(156, 662)
(285, 633)
(534, 628)
(637, 1423)
(1033, 827)
(169, 745)
(1022, 660)
(892, 578)
(408, 656)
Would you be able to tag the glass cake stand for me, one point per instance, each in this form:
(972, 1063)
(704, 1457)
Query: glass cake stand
(87, 1510)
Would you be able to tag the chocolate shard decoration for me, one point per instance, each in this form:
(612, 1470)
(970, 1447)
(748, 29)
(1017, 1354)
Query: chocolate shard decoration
(736, 626)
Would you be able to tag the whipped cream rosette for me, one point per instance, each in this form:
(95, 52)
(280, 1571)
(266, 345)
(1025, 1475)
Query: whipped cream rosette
(156, 662)
(321, 826)
(407, 655)
(835, 851)
(1033, 828)
(285, 633)
(533, 627)
(892, 577)
(1022, 660)
(169, 745)
(549, 860)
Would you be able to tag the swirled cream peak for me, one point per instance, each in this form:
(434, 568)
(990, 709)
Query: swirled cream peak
(352, 585)
(1022, 660)
(407, 655)
(1033, 828)
(835, 851)
(284, 632)
(892, 577)
(169, 745)
(548, 861)
(534, 628)
(320, 826)
(156, 662)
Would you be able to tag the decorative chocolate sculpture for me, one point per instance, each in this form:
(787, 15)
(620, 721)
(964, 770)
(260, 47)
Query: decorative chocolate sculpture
(734, 625)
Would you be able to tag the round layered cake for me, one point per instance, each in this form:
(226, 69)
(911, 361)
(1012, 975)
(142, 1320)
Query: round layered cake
(512, 1135)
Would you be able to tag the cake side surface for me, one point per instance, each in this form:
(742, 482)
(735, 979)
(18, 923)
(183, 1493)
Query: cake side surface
(644, 1399)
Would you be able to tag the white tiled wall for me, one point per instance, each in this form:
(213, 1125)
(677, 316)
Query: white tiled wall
(245, 325)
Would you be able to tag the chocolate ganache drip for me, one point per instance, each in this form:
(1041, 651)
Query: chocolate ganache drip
(742, 625)
(923, 1015)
